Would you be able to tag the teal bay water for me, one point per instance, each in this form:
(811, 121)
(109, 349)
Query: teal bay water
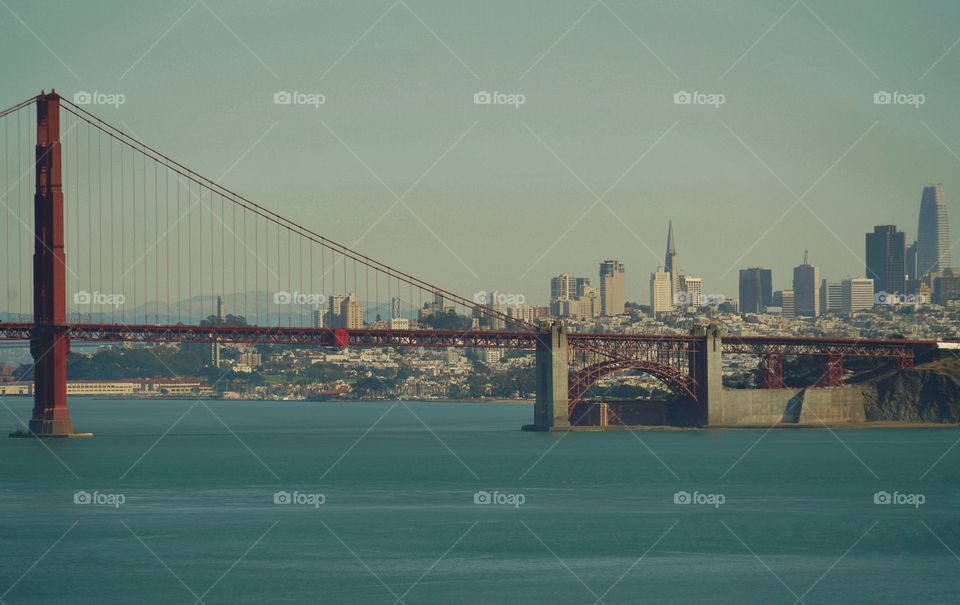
(399, 522)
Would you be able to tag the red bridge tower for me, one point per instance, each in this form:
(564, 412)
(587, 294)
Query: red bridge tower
(50, 340)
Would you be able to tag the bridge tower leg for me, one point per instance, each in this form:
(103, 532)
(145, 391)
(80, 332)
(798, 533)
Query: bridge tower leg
(707, 369)
(551, 410)
(50, 341)
(833, 376)
(771, 371)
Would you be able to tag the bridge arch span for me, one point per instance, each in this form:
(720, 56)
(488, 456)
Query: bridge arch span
(581, 380)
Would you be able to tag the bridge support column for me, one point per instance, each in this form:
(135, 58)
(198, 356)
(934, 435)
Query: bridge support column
(50, 341)
(551, 409)
(833, 374)
(708, 372)
(771, 370)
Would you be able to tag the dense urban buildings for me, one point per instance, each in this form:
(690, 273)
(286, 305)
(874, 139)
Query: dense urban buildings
(946, 287)
(573, 297)
(933, 232)
(886, 258)
(612, 287)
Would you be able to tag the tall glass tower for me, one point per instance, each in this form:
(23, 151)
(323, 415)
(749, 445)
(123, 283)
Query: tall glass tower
(933, 231)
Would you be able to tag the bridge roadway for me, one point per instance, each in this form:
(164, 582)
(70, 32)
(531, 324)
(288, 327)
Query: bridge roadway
(618, 345)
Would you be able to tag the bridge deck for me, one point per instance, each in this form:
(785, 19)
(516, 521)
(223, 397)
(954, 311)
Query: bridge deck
(784, 345)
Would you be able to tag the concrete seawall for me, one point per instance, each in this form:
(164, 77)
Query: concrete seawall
(814, 406)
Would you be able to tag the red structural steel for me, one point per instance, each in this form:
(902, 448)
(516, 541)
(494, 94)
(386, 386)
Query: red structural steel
(833, 376)
(610, 345)
(772, 371)
(681, 383)
(50, 335)
(797, 345)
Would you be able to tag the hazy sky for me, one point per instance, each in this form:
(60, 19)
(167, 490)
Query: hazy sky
(512, 196)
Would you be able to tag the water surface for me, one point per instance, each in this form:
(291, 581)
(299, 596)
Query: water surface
(598, 519)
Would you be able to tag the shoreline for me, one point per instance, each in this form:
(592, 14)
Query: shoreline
(499, 401)
(870, 424)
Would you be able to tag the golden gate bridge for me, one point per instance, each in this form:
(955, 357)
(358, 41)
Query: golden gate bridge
(114, 220)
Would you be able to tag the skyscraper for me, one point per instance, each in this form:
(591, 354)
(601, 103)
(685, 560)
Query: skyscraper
(691, 289)
(756, 289)
(806, 289)
(857, 294)
(911, 267)
(333, 311)
(563, 287)
(671, 265)
(495, 321)
(886, 258)
(831, 297)
(786, 301)
(582, 284)
(661, 301)
(933, 231)
(611, 287)
(351, 312)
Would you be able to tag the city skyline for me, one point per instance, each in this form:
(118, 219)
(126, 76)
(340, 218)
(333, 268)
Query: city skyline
(499, 169)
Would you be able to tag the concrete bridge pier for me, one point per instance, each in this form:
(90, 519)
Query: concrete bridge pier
(707, 371)
(550, 410)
